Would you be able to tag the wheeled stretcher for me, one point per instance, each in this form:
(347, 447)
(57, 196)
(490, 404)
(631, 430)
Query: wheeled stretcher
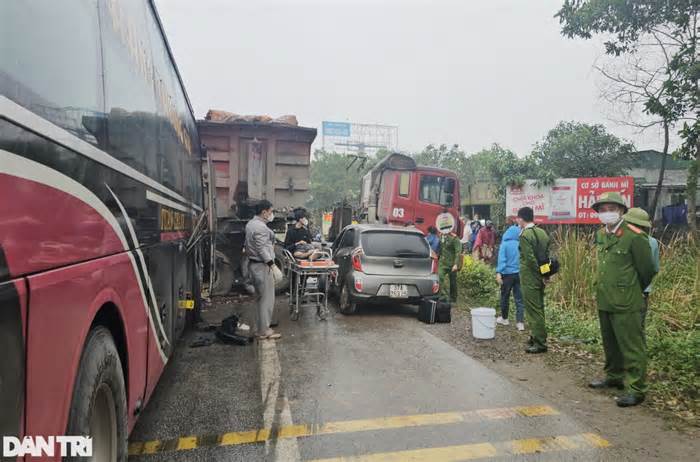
(309, 282)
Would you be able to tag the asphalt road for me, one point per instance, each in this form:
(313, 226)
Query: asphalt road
(371, 387)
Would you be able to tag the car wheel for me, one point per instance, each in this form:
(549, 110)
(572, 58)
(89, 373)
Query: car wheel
(346, 303)
(98, 407)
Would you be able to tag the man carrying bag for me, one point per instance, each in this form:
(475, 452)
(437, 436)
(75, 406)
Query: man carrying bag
(535, 269)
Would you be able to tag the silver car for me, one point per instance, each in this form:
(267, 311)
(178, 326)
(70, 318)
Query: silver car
(380, 263)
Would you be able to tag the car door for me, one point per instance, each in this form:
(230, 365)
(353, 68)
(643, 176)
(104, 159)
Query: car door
(342, 253)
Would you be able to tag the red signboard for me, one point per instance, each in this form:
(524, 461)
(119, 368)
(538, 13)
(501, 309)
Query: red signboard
(568, 200)
(589, 189)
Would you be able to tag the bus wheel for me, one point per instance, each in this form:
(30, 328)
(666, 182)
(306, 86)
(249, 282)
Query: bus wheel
(98, 408)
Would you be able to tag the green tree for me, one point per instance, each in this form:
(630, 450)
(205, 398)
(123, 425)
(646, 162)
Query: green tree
(500, 166)
(626, 26)
(574, 149)
(332, 180)
(450, 158)
(337, 177)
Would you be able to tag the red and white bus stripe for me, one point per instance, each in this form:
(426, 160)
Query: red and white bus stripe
(21, 167)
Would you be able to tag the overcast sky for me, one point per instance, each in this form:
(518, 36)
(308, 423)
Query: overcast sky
(445, 71)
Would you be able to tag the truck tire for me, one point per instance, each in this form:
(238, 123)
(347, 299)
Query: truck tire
(345, 303)
(98, 407)
(224, 275)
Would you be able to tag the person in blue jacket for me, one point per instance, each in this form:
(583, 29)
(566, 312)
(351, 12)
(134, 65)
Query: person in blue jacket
(508, 276)
(433, 239)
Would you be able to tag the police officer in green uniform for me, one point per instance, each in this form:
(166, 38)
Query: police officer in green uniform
(625, 269)
(534, 242)
(448, 263)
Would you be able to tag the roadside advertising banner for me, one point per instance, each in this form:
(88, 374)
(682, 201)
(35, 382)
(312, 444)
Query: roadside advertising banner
(568, 200)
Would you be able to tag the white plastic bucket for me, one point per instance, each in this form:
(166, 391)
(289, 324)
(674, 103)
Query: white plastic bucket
(483, 323)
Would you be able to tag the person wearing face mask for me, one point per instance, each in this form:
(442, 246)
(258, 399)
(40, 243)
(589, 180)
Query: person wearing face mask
(299, 234)
(625, 269)
(259, 247)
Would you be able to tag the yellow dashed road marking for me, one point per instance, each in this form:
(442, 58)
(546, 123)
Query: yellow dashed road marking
(483, 450)
(151, 447)
(595, 440)
(329, 428)
(233, 438)
(446, 454)
(186, 442)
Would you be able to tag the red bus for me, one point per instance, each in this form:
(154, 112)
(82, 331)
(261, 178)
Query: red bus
(100, 185)
(398, 191)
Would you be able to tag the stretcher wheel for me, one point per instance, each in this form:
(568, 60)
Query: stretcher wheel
(294, 316)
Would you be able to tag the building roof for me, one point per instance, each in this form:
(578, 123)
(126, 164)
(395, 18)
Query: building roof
(651, 159)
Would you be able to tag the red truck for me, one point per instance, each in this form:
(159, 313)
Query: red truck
(398, 191)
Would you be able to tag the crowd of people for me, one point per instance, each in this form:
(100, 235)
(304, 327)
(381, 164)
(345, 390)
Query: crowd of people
(628, 259)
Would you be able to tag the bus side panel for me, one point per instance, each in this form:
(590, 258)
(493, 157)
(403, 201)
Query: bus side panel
(13, 312)
(36, 231)
(168, 268)
(63, 304)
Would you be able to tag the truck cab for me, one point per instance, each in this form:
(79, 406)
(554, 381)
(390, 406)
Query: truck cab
(399, 192)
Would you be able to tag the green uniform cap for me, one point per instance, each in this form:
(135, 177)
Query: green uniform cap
(610, 197)
(638, 217)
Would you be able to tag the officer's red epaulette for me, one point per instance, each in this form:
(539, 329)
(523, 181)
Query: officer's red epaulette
(634, 229)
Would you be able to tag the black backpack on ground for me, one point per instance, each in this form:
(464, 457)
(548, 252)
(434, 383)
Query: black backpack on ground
(228, 332)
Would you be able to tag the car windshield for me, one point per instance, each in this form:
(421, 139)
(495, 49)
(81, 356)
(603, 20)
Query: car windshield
(394, 244)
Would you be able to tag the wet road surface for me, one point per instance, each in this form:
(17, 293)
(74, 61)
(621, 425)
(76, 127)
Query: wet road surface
(371, 387)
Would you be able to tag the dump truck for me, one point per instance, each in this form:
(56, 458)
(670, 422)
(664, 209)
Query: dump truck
(398, 191)
(251, 158)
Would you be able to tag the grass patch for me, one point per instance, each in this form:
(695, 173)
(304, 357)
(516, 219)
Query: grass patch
(673, 321)
(477, 284)
(673, 338)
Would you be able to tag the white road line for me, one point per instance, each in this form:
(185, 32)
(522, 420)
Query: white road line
(274, 401)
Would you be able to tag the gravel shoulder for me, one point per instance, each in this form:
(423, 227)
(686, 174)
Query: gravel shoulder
(560, 376)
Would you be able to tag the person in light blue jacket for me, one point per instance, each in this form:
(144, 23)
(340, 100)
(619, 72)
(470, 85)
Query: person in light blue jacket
(508, 276)
(433, 239)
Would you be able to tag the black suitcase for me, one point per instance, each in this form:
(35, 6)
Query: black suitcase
(427, 311)
(432, 311)
(443, 312)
